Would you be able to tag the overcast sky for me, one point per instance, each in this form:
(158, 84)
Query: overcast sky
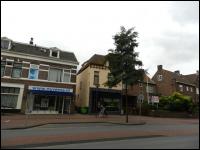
(168, 31)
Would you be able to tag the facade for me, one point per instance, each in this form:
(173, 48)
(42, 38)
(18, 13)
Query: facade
(168, 82)
(91, 90)
(147, 88)
(36, 79)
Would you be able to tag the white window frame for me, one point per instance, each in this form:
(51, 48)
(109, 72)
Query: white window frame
(9, 45)
(160, 77)
(187, 88)
(191, 89)
(36, 67)
(20, 95)
(181, 87)
(197, 91)
(9, 60)
(58, 53)
(66, 73)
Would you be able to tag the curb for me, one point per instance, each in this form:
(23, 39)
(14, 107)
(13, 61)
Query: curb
(32, 126)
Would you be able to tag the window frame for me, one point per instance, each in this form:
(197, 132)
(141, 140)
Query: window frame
(96, 76)
(180, 87)
(160, 77)
(17, 67)
(37, 68)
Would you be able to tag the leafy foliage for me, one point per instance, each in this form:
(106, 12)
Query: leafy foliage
(123, 59)
(176, 102)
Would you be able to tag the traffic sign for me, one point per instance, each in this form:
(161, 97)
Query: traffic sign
(140, 97)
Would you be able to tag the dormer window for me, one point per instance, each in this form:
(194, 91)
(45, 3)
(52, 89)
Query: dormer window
(5, 44)
(54, 53)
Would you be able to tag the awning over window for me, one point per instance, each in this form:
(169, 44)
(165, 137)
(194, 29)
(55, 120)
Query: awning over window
(51, 90)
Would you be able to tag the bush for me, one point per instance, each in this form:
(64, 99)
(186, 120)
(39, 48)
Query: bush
(176, 102)
(84, 110)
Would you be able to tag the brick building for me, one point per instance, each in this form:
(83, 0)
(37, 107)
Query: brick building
(147, 88)
(36, 79)
(168, 82)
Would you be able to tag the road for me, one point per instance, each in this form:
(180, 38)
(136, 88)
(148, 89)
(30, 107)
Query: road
(175, 136)
(183, 142)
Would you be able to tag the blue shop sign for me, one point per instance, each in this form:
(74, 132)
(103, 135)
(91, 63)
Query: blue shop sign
(50, 90)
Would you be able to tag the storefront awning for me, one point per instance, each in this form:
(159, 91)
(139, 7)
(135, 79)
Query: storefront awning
(51, 90)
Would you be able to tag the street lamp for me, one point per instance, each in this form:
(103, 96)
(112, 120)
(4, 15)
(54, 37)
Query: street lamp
(96, 99)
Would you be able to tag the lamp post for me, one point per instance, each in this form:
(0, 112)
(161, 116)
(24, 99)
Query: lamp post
(96, 99)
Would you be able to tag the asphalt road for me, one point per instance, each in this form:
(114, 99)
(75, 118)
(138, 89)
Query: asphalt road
(59, 129)
(183, 142)
(190, 141)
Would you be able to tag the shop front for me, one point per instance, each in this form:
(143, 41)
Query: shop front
(111, 99)
(48, 100)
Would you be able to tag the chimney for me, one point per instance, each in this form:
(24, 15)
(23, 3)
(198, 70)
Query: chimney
(31, 41)
(197, 72)
(159, 67)
(177, 72)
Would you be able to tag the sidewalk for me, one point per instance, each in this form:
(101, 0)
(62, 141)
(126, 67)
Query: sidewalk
(27, 121)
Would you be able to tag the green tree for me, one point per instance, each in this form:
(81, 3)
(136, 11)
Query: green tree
(123, 63)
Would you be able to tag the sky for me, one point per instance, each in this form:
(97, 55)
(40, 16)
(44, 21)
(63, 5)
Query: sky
(168, 31)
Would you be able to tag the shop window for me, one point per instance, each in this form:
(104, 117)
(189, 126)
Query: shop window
(9, 97)
(55, 75)
(33, 72)
(17, 70)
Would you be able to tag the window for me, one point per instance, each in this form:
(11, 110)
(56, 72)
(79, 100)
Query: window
(17, 70)
(3, 63)
(9, 97)
(55, 75)
(197, 91)
(73, 78)
(96, 77)
(80, 85)
(33, 72)
(149, 89)
(191, 89)
(66, 76)
(5, 44)
(9, 62)
(160, 78)
(54, 54)
(109, 77)
(187, 88)
(140, 84)
(181, 87)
